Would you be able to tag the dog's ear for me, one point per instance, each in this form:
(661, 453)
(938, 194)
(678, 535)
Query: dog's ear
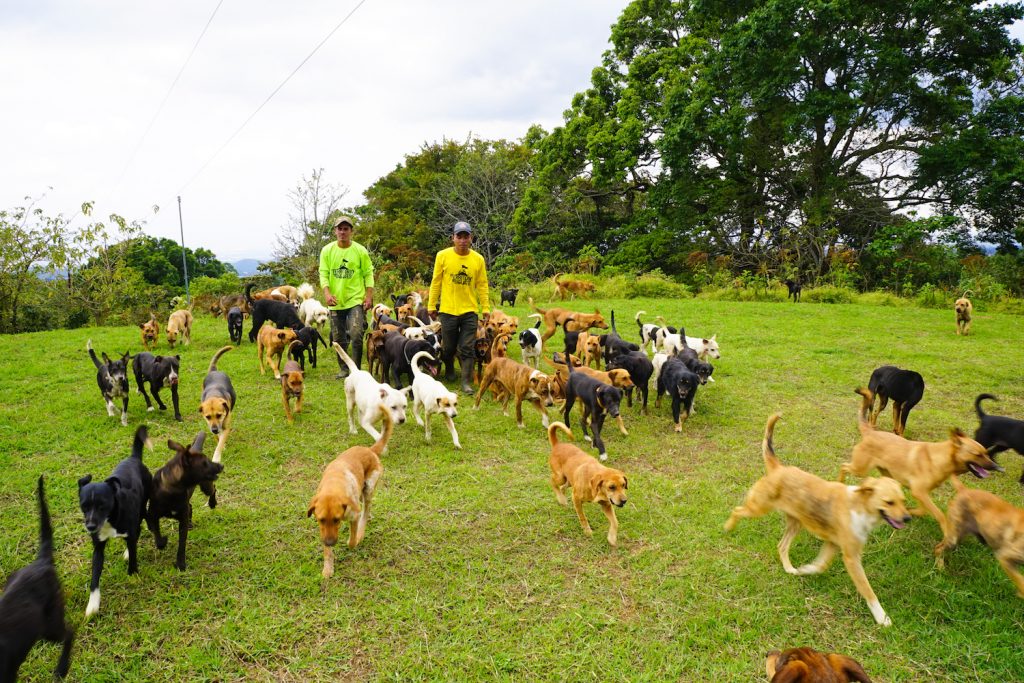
(407, 391)
(625, 482)
(956, 435)
(440, 401)
(114, 483)
(312, 507)
(383, 393)
(175, 446)
(84, 480)
(596, 483)
(850, 667)
(106, 358)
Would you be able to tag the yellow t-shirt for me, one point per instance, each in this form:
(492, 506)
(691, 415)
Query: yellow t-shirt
(460, 283)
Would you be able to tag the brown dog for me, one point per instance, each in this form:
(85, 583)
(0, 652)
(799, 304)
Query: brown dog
(280, 293)
(217, 402)
(150, 332)
(804, 665)
(964, 308)
(570, 320)
(345, 492)
(591, 481)
(272, 342)
(179, 323)
(292, 385)
(998, 524)
(571, 287)
(919, 465)
(588, 348)
(841, 516)
(520, 381)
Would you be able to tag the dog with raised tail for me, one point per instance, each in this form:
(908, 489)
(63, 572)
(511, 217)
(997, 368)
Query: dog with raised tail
(434, 398)
(112, 378)
(367, 400)
(217, 403)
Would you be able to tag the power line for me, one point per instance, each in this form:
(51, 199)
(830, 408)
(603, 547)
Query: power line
(271, 95)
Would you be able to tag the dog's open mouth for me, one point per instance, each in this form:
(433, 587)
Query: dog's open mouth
(894, 523)
(979, 472)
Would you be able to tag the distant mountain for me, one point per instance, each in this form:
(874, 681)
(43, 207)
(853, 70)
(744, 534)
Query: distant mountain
(246, 266)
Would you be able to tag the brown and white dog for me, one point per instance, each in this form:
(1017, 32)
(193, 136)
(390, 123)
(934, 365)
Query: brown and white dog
(179, 323)
(150, 332)
(591, 481)
(346, 491)
(292, 385)
(804, 665)
(217, 402)
(271, 343)
(571, 288)
(841, 516)
(570, 320)
(279, 293)
(964, 309)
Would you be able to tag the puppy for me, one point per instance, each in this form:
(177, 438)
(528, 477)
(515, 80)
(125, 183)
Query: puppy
(531, 345)
(112, 378)
(434, 398)
(509, 295)
(368, 400)
(553, 317)
(519, 381)
(150, 332)
(591, 481)
(291, 386)
(919, 465)
(804, 665)
(640, 369)
(307, 338)
(235, 319)
(841, 516)
(997, 433)
(597, 399)
(794, 287)
(217, 403)
(995, 522)
(179, 322)
(346, 491)
(173, 485)
(114, 508)
(681, 385)
(964, 310)
(158, 371)
(270, 346)
(904, 387)
(32, 606)
(281, 313)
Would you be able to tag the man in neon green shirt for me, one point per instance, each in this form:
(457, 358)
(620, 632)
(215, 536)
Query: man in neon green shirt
(346, 278)
(458, 291)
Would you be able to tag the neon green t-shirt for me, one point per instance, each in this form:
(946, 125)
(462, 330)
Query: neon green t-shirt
(347, 272)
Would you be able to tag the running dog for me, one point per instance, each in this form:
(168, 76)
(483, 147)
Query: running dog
(680, 384)
(150, 332)
(597, 400)
(235, 319)
(553, 317)
(519, 381)
(179, 323)
(904, 387)
(217, 403)
(572, 288)
(963, 309)
(270, 346)
(804, 665)
(434, 398)
(368, 400)
(998, 433)
(158, 371)
(112, 378)
(841, 516)
(292, 386)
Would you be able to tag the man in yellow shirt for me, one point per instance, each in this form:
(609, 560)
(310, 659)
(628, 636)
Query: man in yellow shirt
(458, 292)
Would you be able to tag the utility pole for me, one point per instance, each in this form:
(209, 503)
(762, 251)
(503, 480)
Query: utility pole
(184, 264)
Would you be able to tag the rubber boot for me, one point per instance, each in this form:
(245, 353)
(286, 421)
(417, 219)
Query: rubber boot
(449, 369)
(342, 368)
(467, 378)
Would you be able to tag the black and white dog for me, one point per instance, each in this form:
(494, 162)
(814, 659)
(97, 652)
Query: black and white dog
(651, 334)
(531, 345)
(112, 378)
(158, 371)
(115, 508)
(281, 313)
(235, 319)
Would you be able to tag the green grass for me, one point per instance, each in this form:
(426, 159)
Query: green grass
(470, 570)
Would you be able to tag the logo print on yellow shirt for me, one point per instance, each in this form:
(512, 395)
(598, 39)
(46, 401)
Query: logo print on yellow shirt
(462, 277)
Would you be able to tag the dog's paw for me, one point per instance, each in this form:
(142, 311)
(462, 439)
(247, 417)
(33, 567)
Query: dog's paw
(125, 556)
(328, 571)
(587, 438)
(603, 456)
(150, 409)
(181, 565)
(177, 418)
(520, 425)
(212, 502)
(161, 543)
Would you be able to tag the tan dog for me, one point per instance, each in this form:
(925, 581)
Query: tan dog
(499, 322)
(179, 322)
(588, 348)
(964, 309)
(591, 481)
(804, 665)
(919, 465)
(280, 293)
(842, 516)
(292, 385)
(520, 381)
(150, 332)
(217, 402)
(374, 349)
(379, 311)
(345, 492)
(999, 525)
(570, 320)
(272, 342)
(572, 288)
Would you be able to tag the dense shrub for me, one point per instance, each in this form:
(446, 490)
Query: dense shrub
(828, 295)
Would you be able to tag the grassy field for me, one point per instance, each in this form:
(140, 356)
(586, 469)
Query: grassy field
(470, 570)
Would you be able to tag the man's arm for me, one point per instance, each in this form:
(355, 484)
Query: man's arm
(325, 272)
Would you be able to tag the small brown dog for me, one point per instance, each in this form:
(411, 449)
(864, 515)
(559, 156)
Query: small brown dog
(804, 665)
(271, 343)
(345, 492)
(179, 323)
(591, 481)
(571, 287)
(570, 320)
(919, 465)
(998, 524)
(588, 348)
(841, 516)
(150, 332)
(964, 308)
(292, 385)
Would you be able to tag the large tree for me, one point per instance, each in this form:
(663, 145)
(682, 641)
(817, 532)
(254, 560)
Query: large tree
(30, 242)
(297, 246)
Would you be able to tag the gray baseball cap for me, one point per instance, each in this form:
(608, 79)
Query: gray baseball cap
(461, 226)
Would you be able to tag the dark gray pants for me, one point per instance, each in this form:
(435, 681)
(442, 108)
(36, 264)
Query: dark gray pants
(458, 337)
(348, 326)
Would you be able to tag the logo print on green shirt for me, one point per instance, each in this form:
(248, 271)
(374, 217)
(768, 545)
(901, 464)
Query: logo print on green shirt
(343, 272)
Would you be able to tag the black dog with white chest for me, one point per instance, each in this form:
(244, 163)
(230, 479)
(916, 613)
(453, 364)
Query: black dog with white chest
(32, 606)
(115, 508)
(307, 338)
(598, 400)
(281, 313)
(509, 295)
(112, 378)
(998, 433)
(681, 385)
(158, 371)
(235, 320)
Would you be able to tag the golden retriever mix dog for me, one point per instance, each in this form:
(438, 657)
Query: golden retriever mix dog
(591, 481)
(919, 465)
(804, 665)
(570, 320)
(998, 524)
(519, 381)
(271, 343)
(179, 323)
(345, 492)
(841, 516)
(963, 308)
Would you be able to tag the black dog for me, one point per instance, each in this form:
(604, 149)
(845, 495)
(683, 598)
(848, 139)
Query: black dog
(904, 387)
(32, 606)
(794, 289)
(281, 313)
(694, 364)
(571, 341)
(640, 369)
(400, 299)
(998, 433)
(396, 359)
(681, 385)
(307, 338)
(173, 485)
(598, 400)
(509, 295)
(115, 508)
(157, 370)
(615, 345)
(235, 319)
(112, 378)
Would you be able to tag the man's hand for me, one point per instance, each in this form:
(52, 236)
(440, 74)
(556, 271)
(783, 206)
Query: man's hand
(331, 301)
(433, 314)
(367, 303)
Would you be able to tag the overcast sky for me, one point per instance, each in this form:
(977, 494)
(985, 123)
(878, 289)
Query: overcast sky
(83, 79)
